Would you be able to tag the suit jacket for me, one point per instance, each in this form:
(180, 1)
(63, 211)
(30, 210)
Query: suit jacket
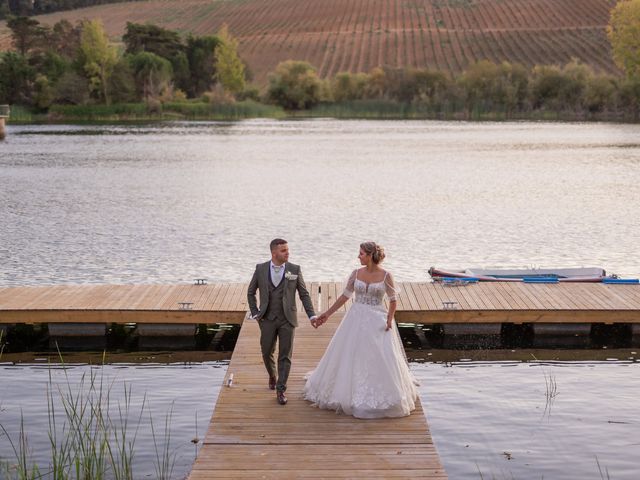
(293, 281)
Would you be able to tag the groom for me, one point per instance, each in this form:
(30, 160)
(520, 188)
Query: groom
(278, 281)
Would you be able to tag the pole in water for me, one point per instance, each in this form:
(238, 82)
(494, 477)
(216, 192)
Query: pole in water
(4, 114)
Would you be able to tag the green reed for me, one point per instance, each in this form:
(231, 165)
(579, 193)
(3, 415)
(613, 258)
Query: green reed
(89, 440)
(165, 458)
(185, 110)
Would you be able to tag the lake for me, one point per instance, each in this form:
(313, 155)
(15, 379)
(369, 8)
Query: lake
(167, 203)
(172, 202)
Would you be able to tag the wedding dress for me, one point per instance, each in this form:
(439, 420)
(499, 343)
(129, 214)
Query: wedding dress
(364, 371)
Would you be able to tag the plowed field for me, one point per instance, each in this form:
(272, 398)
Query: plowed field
(357, 35)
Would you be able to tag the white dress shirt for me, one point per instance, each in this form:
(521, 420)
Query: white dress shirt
(277, 279)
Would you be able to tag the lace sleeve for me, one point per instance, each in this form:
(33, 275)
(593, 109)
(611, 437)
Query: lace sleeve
(349, 286)
(390, 288)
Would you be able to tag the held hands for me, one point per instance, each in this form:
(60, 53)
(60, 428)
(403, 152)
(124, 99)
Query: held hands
(319, 320)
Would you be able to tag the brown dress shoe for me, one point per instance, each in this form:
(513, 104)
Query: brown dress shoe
(272, 383)
(282, 398)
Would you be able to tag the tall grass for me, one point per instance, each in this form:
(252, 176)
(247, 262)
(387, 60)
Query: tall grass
(189, 110)
(165, 459)
(89, 437)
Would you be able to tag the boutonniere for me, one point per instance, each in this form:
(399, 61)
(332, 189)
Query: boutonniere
(290, 276)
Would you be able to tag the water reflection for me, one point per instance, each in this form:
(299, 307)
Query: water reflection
(185, 390)
(172, 202)
(560, 420)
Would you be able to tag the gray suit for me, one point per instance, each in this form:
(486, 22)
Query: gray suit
(277, 315)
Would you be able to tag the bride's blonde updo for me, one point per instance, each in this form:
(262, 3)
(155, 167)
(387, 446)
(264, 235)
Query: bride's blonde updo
(376, 251)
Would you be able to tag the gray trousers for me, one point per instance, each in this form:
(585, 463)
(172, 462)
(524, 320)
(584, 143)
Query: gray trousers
(270, 331)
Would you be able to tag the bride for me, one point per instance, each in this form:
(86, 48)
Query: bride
(364, 371)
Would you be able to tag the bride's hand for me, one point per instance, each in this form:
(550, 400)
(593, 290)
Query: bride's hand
(389, 324)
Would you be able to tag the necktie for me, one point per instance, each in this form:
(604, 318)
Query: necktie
(276, 275)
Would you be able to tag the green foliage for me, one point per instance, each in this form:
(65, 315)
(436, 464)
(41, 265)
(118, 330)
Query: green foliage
(43, 93)
(26, 33)
(99, 58)
(152, 74)
(347, 86)
(630, 96)
(72, 89)
(122, 83)
(560, 89)
(65, 39)
(624, 34)
(153, 39)
(487, 86)
(16, 77)
(600, 93)
(49, 63)
(201, 58)
(294, 86)
(229, 67)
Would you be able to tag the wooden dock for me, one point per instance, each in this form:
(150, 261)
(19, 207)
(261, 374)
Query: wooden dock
(420, 302)
(251, 436)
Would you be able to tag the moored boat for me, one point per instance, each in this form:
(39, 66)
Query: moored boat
(590, 274)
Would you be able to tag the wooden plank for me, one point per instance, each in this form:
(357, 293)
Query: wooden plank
(250, 435)
(475, 302)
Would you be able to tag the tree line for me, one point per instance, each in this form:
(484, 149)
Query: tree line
(39, 7)
(512, 90)
(78, 65)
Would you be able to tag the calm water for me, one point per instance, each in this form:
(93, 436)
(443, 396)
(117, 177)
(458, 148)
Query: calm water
(185, 391)
(169, 203)
(491, 420)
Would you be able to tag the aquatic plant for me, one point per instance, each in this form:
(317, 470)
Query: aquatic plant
(90, 438)
(165, 459)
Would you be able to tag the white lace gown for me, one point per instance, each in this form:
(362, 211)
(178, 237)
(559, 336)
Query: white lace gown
(364, 371)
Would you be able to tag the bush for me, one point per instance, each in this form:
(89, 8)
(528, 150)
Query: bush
(295, 86)
(72, 89)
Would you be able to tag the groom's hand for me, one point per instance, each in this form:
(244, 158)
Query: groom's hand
(314, 321)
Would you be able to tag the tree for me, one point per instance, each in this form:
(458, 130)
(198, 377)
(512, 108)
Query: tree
(16, 77)
(229, 67)
(624, 34)
(600, 93)
(72, 89)
(122, 84)
(65, 39)
(152, 74)
(151, 38)
(42, 92)
(26, 33)
(99, 58)
(201, 58)
(294, 85)
(346, 86)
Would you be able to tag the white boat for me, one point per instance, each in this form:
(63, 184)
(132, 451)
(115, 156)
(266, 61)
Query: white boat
(592, 274)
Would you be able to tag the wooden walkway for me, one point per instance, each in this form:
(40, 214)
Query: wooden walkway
(420, 302)
(251, 436)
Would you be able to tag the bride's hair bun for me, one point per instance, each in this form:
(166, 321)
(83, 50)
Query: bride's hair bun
(376, 251)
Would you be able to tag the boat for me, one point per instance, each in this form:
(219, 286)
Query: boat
(591, 274)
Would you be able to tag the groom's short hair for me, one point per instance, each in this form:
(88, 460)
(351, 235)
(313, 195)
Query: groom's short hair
(277, 241)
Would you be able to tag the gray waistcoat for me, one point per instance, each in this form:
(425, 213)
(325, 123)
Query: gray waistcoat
(275, 308)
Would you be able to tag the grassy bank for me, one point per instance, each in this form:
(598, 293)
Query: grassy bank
(154, 112)
(390, 110)
(362, 109)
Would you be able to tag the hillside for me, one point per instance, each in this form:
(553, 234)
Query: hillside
(357, 35)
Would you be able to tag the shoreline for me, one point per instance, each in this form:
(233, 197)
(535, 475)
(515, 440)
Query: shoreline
(629, 354)
(202, 112)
